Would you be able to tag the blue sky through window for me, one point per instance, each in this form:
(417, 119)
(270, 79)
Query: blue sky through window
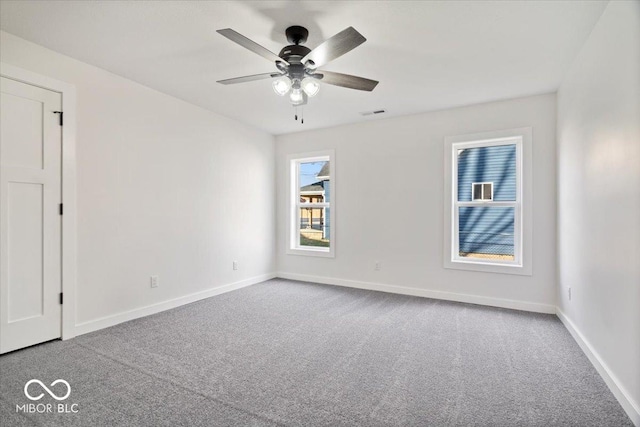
(308, 172)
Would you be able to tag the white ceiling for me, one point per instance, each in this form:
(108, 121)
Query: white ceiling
(427, 55)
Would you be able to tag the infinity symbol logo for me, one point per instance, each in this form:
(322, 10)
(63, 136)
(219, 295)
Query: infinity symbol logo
(52, 394)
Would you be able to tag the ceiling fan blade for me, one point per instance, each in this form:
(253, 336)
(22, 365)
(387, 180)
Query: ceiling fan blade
(243, 41)
(249, 78)
(346, 80)
(334, 47)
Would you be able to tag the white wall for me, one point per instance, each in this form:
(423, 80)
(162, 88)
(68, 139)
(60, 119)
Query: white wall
(599, 195)
(164, 188)
(389, 204)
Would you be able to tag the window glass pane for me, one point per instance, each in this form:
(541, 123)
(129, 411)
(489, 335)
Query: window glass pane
(486, 232)
(486, 195)
(495, 165)
(314, 182)
(314, 227)
(314, 179)
(477, 192)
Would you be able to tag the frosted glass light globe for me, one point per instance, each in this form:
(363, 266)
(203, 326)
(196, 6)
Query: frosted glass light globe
(296, 97)
(281, 85)
(310, 86)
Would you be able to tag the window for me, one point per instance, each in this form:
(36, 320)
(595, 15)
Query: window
(484, 202)
(312, 207)
(482, 191)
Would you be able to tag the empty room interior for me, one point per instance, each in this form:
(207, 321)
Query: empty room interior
(320, 213)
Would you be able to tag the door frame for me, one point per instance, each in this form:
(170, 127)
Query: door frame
(68, 186)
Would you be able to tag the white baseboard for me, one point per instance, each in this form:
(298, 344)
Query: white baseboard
(426, 293)
(631, 408)
(114, 319)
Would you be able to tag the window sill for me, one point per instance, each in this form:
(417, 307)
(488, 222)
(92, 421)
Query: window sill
(323, 253)
(489, 267)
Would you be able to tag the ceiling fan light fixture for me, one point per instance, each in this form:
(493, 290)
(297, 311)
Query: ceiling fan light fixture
(281, 85)
(310, 86)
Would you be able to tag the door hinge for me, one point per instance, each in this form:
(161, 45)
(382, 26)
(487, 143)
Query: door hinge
(60, 297)
(60, 208)
(61, 114)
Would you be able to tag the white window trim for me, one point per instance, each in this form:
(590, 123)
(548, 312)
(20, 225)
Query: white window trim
(481, 184)
(523, 241)
(293, 217)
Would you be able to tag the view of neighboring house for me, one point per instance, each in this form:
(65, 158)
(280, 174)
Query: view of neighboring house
(314, 222)
(486, 175)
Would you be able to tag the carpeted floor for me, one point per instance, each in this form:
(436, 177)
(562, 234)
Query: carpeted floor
(292, 353)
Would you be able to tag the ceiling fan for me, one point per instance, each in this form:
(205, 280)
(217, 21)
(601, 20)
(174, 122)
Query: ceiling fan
(297, 65)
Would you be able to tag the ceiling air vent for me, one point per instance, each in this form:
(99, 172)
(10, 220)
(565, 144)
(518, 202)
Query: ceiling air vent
(374, 112)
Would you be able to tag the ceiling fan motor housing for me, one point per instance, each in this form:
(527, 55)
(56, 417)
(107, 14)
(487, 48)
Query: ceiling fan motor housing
(294, 53)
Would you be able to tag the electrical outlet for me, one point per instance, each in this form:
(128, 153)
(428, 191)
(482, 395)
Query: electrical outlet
(235, 265)
(378, 266)
(154, 281)
(569, 292)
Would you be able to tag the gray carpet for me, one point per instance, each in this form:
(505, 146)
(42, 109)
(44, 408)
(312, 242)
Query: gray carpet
(293, 353)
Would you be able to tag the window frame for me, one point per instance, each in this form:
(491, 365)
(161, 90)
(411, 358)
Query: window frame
(293, 238)
(522, 263)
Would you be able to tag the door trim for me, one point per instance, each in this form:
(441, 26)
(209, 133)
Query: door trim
(69, 236)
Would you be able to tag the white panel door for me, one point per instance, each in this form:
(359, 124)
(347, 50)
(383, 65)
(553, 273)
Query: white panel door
(30, 224)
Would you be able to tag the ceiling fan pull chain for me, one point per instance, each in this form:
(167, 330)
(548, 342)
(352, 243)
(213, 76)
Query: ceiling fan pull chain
(296, 115)
(302, 114)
